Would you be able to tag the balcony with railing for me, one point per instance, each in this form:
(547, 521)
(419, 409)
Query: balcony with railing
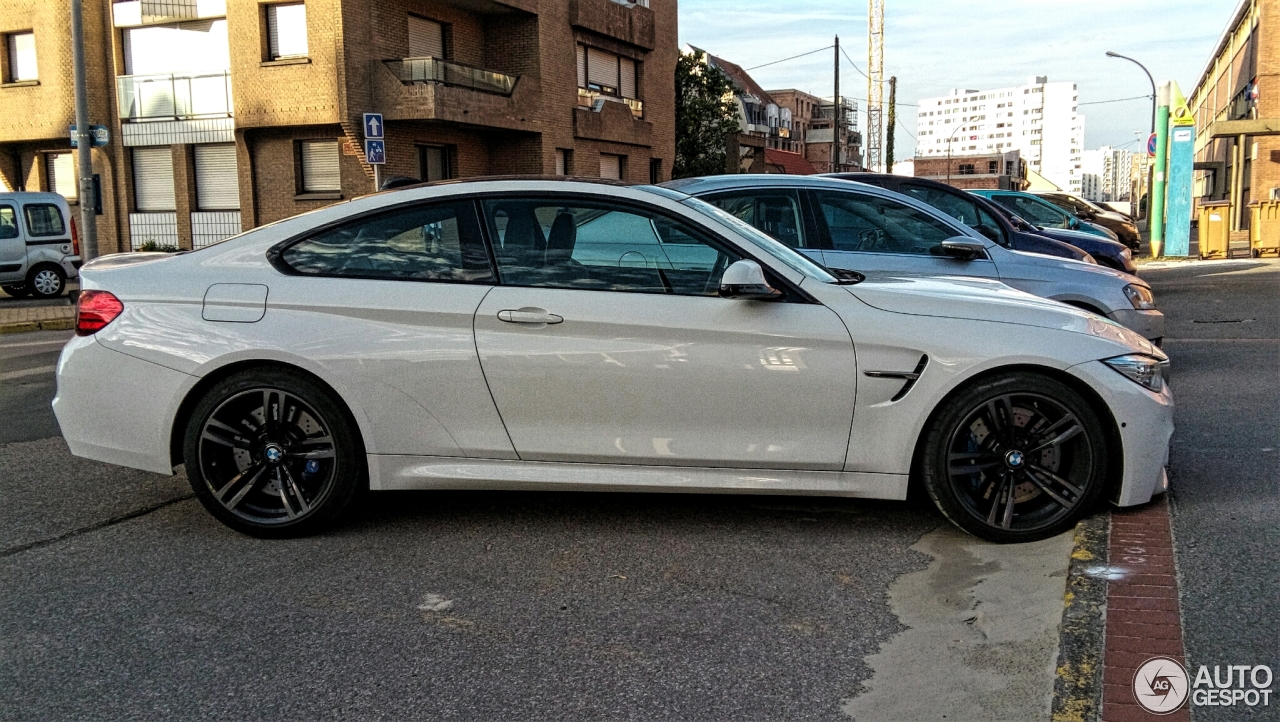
(132, 13)
(181, 96)
(592, 99)
(435, 70)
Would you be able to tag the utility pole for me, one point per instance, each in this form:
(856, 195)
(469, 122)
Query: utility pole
(1155, 198)
(835, 115)
(84, 138)
(889, 124)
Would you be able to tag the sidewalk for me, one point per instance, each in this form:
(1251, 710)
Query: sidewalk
(37, 318)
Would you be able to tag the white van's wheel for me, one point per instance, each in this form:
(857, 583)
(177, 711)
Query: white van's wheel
(46, 281)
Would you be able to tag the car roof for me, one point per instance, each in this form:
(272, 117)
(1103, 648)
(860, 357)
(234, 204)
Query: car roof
(33, 196)
(710, 184)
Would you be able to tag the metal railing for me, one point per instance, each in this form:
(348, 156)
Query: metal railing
(176, 96)
(435, 70)
(592, 99)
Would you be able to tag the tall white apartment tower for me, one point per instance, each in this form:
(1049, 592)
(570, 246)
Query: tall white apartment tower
(1038, 119)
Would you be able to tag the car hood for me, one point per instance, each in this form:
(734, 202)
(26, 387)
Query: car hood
(1054, 265)
(985, 300)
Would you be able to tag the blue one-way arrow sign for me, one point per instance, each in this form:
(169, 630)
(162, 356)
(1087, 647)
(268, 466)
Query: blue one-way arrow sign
(373, 125)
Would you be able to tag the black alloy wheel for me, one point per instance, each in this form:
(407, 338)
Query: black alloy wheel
(1015, 459)
(271, 454)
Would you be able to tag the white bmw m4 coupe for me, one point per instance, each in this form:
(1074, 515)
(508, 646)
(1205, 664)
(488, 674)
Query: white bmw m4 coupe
(518, 334)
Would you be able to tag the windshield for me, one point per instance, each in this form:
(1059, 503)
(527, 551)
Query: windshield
(763, 241)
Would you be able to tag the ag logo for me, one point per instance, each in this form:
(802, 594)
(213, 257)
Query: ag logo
(1160, 685)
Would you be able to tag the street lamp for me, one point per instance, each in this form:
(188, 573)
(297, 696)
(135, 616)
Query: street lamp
(1111, 54)
(949, 137)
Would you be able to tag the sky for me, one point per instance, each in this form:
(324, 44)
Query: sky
(933, 46)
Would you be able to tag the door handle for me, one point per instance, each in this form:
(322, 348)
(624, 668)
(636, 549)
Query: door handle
(529, 315)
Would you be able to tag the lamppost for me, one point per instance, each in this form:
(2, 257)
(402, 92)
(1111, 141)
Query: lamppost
(1111, 54)
(949, 138)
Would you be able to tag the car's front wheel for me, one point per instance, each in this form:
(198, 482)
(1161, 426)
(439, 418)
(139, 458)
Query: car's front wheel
(271, 453)
(1015, 458)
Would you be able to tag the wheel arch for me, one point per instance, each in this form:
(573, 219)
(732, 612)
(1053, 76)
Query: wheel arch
(1085, 305)
(1115, 461)
(183, 415)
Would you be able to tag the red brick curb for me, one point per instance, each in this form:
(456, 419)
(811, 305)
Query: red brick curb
(1143, 616)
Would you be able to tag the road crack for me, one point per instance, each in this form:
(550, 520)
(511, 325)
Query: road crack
(18, 549)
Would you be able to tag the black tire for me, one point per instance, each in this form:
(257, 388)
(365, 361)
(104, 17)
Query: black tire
(46, 280)
(273, 454)
(990, 440)
(17, 290)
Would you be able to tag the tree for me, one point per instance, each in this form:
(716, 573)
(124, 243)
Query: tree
(893, 119)
(705, 116)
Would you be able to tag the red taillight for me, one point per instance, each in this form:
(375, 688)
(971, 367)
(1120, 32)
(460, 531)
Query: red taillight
(94, 310)
(75, 239)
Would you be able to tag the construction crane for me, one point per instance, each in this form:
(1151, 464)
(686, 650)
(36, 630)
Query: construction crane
(875, 83)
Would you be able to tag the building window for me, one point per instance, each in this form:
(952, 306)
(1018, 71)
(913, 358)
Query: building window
(606, 73)
(217, 178)
(60, 174)
(611, 166)
(965, 169)
(318, 161)
(655, 170)
(993, 167)
(20, 50)
(286, 31)
(433, 163)
(426, 38)
(564, 161)
(153, 179)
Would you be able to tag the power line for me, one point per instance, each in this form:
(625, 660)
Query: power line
(793, 57)
(855, 65)
(1116, 100)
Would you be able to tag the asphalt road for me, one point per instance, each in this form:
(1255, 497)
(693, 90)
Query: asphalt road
(1224, 344)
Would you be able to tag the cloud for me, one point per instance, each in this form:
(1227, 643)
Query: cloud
(935, 45)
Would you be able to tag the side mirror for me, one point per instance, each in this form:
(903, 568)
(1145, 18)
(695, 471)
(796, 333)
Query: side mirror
(1073, 223)
(745, 280)
(963, 248)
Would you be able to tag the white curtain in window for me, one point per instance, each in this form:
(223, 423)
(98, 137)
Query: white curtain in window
(217, 182)
(287, 30)
(153, 179)
(602, 68)
(610, 166)
(426, 38)
(627, 77)
(320, 168)
(22, 57)
(61, 169)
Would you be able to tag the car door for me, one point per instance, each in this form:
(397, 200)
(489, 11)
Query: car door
(873, 234)
(13, 251)
(608, 348)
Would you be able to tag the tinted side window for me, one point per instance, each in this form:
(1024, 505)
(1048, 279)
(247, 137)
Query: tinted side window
(879, 225)
(1039, 213)
(959, 208)
(8, 222)
(422, 243)
(594, 246)
(44, 219)
(774, 212)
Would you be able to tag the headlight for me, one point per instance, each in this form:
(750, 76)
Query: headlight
(1140, 296)
(1148, 371)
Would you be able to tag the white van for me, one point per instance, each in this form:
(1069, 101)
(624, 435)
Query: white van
(39, 247)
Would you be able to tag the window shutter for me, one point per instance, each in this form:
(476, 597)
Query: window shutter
(320, 166)
(153, 179)
(602, 68)
(217, 182)
(287, 30)
(22, 57)
(610, 166)
(426, 38)
(559, 162)
(61, 169)
(582, 67)
(627, 78)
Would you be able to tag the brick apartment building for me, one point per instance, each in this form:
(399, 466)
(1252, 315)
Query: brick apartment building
(813, 121)
(991, 171)
(228, 114)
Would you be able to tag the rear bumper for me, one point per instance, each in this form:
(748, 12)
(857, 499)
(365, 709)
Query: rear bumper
(1145, 422)
(1150, 324)
(116, 408)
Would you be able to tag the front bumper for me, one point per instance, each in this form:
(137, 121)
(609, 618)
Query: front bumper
(1145, 422)
(115, 408)
(1149, 324)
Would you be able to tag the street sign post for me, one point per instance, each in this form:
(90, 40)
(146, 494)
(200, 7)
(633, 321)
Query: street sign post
(373, 127)
(1151, 146)
(375, 151)
(1182, 136)
(99, 133)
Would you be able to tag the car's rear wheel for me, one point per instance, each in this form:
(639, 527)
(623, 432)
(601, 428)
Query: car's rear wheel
(271, 453)
(1016, 458)
(18, 290)
(46, 281)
